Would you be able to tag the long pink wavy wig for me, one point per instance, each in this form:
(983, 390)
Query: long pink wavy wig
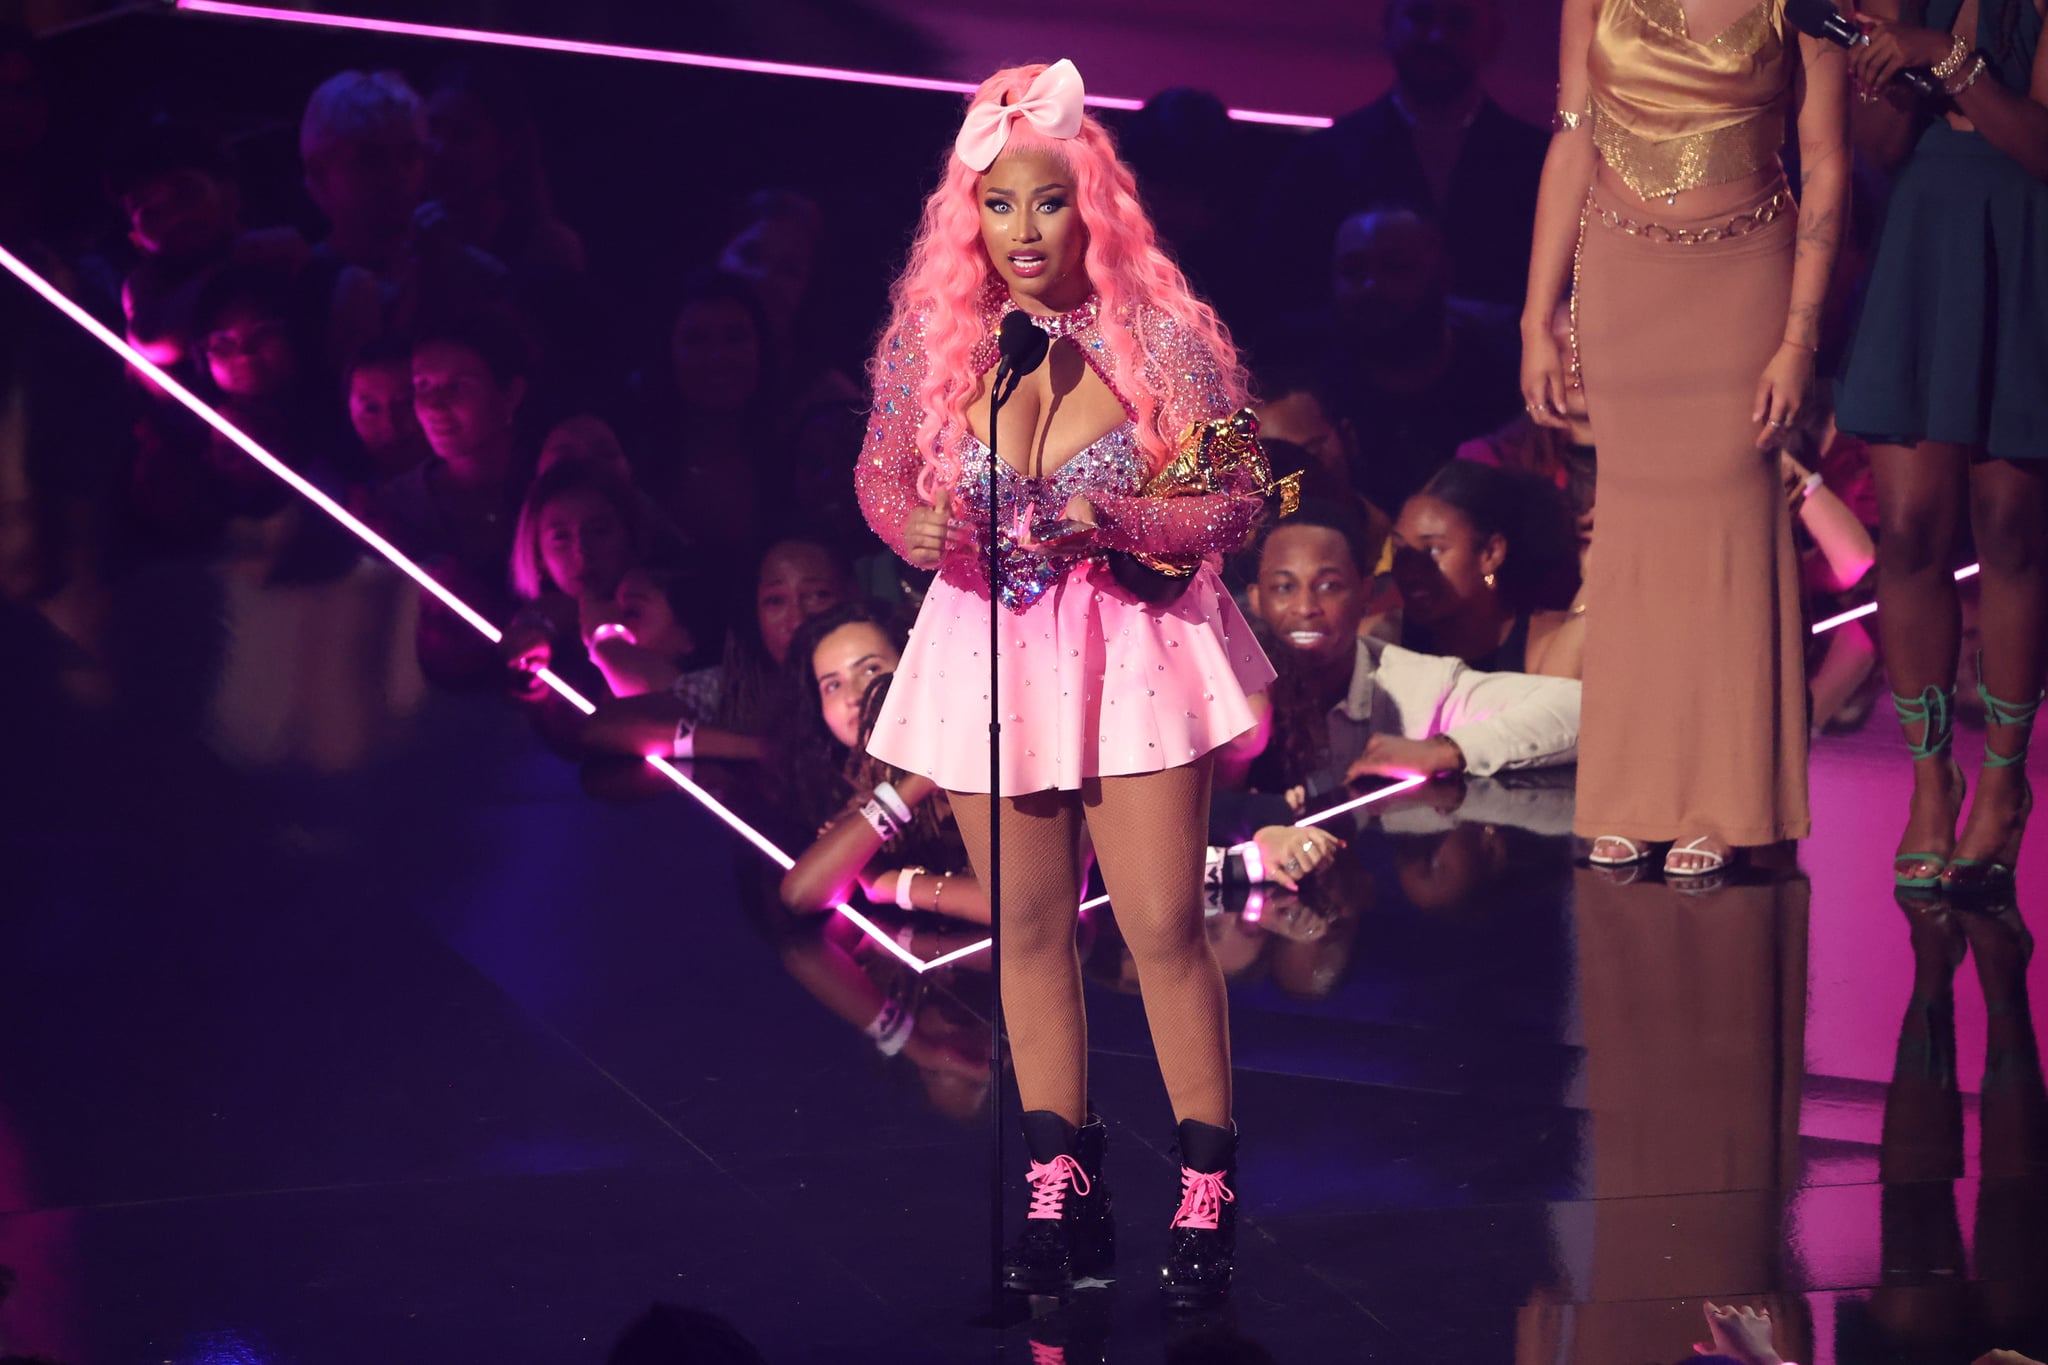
(949, 272)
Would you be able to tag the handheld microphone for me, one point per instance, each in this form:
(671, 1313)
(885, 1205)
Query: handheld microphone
(1820, 19)
(1023, 347)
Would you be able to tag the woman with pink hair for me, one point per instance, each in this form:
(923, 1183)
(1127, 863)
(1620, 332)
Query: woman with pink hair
(1113, 703)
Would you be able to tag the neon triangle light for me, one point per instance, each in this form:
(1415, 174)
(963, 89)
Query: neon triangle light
(401, 561)
(702, 60)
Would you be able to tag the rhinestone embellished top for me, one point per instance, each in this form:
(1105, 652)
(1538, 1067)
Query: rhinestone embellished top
(1108, 472)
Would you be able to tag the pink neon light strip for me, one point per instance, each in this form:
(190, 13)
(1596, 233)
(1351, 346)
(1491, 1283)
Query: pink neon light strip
(650, 54)
(312, 493)
(1406, 784)
(1870, 608)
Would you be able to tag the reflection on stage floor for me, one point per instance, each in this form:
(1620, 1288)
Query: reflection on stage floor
(439, 1058)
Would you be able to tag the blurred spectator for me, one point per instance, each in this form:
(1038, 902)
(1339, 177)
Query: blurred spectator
(1833, 500)
(712, 461)
(364, 144)
(1414, 370)
(732, 710)
(1291, 410)
(177, 190)
(1435, 138)
(489, 188)
(775, 251)
(380, 409)
(455, 513)
(1487, 565)
(469, 382)
(1563, 458)
(671, 624)
(25, 149)
(1192, 175)
(584, 436)
(190, 484)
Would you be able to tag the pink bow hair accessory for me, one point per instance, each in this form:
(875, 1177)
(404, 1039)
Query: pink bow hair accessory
(1052, 105)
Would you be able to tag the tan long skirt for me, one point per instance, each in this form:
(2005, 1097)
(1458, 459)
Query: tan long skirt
(1694, 715)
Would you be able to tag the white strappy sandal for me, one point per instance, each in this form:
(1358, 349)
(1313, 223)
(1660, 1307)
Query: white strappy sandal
(1710, 861)
(1637, 852)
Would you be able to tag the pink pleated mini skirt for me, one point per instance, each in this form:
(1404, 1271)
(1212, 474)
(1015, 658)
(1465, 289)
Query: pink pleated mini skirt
(1092, 683)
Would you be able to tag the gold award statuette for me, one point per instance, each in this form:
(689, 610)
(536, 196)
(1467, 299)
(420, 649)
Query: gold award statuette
(1209, 452)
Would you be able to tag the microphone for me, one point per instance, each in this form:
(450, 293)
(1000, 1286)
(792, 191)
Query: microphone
(1820, 19)
(1023, 347)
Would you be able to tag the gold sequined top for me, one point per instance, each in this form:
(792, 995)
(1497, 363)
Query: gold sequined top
(1671, 112)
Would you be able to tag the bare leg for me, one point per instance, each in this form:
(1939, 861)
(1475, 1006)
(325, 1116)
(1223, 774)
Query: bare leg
(1920, 493)
(1149, 832)
(2009, 510)
(1041, 967)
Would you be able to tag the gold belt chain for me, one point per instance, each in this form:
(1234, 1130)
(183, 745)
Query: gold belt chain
(1740, 226)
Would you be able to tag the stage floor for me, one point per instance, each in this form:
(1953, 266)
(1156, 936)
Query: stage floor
(443, 1060)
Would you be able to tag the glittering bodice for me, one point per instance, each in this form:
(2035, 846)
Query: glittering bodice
(1112, 465)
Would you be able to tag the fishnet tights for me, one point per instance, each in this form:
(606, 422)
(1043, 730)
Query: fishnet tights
(1148, 831)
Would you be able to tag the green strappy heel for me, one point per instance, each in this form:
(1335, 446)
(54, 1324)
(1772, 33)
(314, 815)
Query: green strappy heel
(1986, 873)
(1934, 711)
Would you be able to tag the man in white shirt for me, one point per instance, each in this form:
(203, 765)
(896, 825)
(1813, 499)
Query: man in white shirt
(1385, 710)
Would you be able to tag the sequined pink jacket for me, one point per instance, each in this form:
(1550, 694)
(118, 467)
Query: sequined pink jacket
(1178, 365)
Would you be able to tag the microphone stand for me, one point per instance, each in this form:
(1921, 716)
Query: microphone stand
(997, 396)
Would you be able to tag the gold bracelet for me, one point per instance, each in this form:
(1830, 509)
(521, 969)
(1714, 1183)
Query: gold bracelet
(1969, 78)
(1953, 63)
(938, 895)
(1566, 122)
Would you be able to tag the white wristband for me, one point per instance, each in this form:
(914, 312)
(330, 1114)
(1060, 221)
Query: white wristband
(887, 794)
(685, 742)
(1254, 862)
(613, 630)
(904, 887)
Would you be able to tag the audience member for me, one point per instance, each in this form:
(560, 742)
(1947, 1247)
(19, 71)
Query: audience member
(1561, 456)
(584, 436)
(487, 185)
(888, 832)
(1834, 524)
(1413, 369)
(1184, 150)
(1346, 706)
(468, 384)
(1290, 409)
(190, 484)
(669, 624)
(1435, 138)
(380, 409)
(577, 534)
(363, 141)
(711, 459)
(733, 710)
(177, 189)
(1487, 567)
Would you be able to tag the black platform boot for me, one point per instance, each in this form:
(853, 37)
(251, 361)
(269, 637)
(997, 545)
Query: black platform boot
(1204, 1228)
(1068, 1232)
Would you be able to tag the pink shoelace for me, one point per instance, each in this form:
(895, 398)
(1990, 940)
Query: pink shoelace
(1042, 1354)
(1049, 1183)
(1202, 1197)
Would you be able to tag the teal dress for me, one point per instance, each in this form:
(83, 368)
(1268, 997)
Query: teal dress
(1953, 341)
